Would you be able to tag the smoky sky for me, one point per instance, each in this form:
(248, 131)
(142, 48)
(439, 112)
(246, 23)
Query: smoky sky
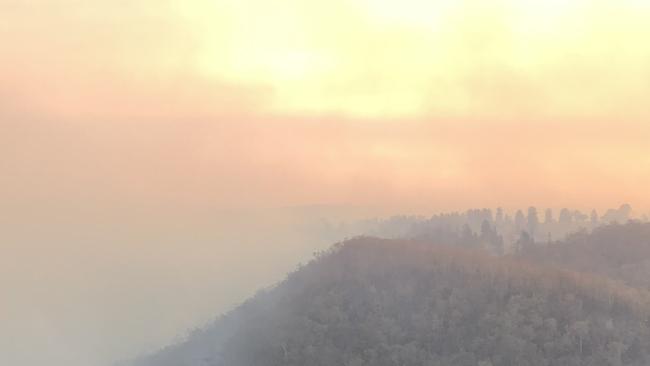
(151, 152)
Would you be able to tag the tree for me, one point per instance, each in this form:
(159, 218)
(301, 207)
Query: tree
(499, 216)
(533, 221)
(565, 216)
(520, 220)
(491, 239)
(524, 242)
(548, 216)
(467, 237)
(580, 330)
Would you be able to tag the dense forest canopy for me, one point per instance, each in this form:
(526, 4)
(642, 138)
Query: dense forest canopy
(371, 301)
(620, 252)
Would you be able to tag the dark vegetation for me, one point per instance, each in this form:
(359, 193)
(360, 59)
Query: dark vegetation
(369, 301)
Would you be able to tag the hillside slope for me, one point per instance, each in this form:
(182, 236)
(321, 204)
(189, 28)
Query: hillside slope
(385, 302)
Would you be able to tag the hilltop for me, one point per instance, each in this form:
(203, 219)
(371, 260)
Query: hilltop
(371, 301)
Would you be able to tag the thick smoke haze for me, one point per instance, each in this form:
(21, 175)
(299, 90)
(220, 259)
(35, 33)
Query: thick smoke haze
(160, 161)
(91, 288)
(227, 105)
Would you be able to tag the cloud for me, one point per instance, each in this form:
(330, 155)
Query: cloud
(443, 59)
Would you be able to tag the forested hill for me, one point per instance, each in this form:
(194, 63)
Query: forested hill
(393, 302)
(620, 252)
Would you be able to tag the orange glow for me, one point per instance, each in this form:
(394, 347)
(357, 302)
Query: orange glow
(442, 104)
